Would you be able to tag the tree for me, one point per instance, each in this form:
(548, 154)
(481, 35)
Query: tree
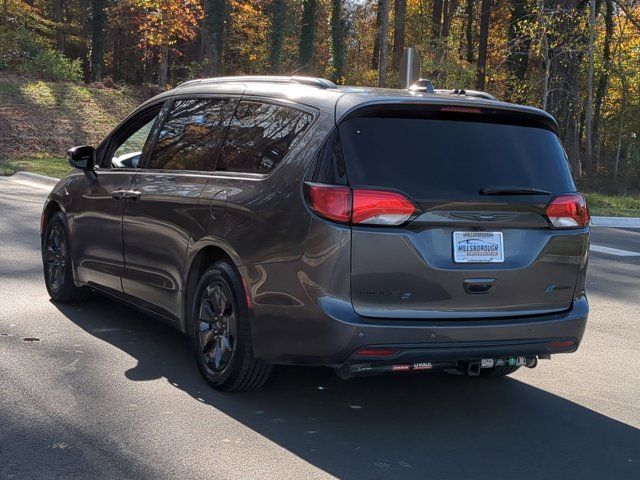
(603, 82)
(485, 12)
(277, 14)
(399, 21)
(468, 30)
(383, 5)
(519, 44)
(436, 20)
(589, 106)
(307, 35)
(98, 20)
(337, 40)
(214, 35)
(375, 58)
(59, 17)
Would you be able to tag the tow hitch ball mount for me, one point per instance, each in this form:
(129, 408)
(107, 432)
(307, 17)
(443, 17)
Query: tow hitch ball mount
(473, 368)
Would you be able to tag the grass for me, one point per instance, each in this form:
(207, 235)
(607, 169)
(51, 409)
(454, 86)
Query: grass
(44, 164)
(601, 204)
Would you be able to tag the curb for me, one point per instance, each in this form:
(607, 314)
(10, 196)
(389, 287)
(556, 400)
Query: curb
(615, 222)
(34, 179)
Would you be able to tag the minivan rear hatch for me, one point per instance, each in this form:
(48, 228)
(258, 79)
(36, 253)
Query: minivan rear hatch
(480, 243)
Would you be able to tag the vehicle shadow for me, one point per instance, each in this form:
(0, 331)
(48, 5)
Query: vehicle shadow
(389, 427)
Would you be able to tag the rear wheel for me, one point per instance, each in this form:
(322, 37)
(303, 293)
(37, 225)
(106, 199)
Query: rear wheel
(56, 260)
(500, 371)
(221, 335)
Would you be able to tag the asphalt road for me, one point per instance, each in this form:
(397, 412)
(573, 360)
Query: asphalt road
(108, 393)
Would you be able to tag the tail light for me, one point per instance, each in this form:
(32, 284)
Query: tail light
(378, 207)
(568, 211)
(329, 201)
(359, 206)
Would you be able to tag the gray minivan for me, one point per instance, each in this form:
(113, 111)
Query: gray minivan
(287, 220)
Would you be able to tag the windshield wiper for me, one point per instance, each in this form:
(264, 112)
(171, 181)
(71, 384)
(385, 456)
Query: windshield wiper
(502, 190)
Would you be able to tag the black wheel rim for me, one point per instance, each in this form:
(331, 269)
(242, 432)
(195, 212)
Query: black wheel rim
(55, 255)
(216, 322)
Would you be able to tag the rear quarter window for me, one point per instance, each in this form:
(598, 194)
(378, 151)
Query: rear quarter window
(260, 136)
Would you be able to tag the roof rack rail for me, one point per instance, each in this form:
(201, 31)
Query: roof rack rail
(466, 93)
(310, 81)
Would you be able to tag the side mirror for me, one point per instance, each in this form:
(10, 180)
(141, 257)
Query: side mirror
(83, 157)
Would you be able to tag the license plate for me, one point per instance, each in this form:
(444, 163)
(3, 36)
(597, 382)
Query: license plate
(478, 247)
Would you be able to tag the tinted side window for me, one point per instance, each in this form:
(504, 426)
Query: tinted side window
(191, 137)
(131, 143)
(260, 136)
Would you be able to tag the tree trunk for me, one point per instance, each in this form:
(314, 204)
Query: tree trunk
(449, 11)
(468, 30)
(214, 19)
(399, 20)
(519, 43)
(375, 58)
(307, 35)
(623, 108)
(59, 16)
(98, 20)
(603, 83)
(337, 37)
(436, 20)
(485, 11)
(384, 42)
(163, 66)
(277, 12)
(589, 107)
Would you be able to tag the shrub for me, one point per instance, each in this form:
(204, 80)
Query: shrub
(52, 65)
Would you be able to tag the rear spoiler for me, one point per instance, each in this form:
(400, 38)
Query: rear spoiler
(450, 109)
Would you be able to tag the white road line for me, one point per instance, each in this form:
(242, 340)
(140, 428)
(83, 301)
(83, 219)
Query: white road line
(614, 251)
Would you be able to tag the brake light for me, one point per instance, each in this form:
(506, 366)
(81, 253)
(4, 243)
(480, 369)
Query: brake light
(461, 109)
(358, 206)
(568, 211)
(378, 207)
(329, 201)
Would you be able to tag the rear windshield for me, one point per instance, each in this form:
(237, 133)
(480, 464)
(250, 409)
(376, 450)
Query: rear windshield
(435, 159)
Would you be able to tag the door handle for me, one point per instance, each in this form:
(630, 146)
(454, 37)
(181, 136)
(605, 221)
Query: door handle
(132, 194)
(118, 194)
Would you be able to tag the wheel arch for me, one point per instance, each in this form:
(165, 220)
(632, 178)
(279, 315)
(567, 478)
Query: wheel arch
(201, 259)
(48, 211)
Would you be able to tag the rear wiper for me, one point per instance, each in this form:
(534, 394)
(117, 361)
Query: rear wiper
(513, 191)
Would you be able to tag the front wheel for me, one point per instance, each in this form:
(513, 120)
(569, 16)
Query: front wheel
(221, 335)
(56, 260)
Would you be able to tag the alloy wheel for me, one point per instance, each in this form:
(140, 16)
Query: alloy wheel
(55, 254)
(216, 326)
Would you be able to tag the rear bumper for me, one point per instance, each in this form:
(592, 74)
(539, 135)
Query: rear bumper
(335, 332)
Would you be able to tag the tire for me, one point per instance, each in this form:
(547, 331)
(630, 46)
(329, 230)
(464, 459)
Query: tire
(500, 371)
(56, 262)
(220, 332)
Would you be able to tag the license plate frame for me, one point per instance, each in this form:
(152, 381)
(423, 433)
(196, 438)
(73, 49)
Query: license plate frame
(478, 247)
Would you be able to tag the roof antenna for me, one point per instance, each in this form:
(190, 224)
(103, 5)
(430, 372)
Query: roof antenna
(409, 67)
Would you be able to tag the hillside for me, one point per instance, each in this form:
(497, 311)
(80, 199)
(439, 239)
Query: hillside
(40, 121)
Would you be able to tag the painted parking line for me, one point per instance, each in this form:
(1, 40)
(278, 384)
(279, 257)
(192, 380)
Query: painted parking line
(613, 251)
